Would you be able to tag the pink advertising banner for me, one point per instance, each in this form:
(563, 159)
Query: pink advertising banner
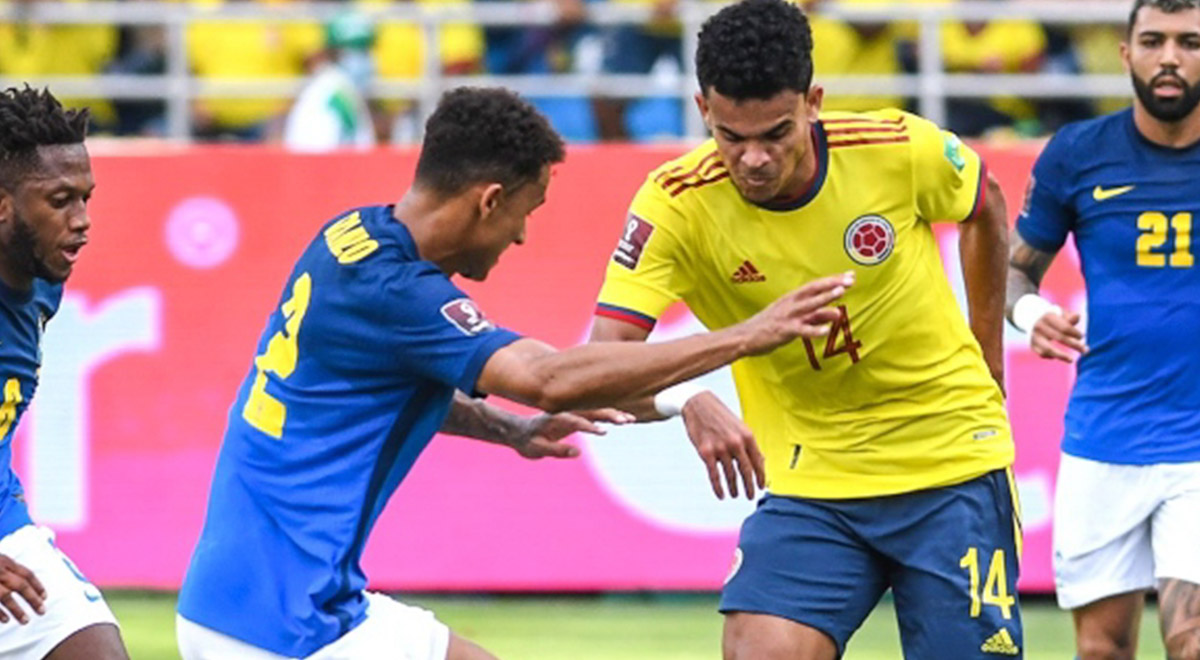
(189, 250)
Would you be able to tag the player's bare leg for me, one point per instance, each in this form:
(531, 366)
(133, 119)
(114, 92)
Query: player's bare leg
(1108, 628)
(765, 637)
(101, 641)
(465, 649)
(1179, 603)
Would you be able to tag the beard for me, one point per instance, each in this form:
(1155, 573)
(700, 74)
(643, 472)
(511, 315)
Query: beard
(21, 251)
(1166, 109)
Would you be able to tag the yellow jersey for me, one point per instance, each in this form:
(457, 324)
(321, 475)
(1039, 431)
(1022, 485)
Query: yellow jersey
(897, 398)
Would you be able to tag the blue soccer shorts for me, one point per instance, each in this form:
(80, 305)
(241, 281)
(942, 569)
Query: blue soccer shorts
(950, 556)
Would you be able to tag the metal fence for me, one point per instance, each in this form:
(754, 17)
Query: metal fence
(930, 85)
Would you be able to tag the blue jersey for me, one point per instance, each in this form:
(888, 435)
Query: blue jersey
(354, 374)
(1134, 211)
(24, 317)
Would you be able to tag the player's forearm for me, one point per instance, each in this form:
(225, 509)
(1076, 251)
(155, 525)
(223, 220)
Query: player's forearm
(983, 245)
(1026, 268)
(475, 418)
(600, 374)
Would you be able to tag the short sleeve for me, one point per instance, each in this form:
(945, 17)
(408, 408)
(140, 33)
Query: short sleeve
(644, 275)
(410, 320)
(1046, 218)
(949, 178)
(440, 333)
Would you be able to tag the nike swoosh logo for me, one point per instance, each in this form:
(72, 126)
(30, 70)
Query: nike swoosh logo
(1100, 194)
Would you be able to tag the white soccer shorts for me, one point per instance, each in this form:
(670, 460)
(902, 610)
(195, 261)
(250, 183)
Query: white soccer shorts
(72, 603)
(1119, 528)
(391, 630)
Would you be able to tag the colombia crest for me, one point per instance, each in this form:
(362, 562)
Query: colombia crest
(870, 239)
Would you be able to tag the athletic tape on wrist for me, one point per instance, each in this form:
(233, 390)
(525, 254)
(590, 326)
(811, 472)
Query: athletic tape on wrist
(670, 401)
(1029, 308)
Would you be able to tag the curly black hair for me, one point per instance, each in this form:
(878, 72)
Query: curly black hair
(29, 119)
(755, 49)
(1166, 6)
(480, 134)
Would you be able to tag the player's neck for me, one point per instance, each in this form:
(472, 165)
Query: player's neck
(1176, 135)
(432, 221)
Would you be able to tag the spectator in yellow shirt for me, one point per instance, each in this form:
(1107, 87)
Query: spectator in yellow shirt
(29, 50)
(844, 48)
(246, 50)
(1004, 46)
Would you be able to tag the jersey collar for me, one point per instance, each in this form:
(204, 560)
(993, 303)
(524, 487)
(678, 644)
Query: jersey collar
(811, 190)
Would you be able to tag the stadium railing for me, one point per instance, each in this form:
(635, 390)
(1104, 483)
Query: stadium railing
(930, 85)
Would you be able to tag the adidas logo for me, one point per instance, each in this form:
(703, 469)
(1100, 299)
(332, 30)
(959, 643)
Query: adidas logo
(747, 273)
(1001, 643)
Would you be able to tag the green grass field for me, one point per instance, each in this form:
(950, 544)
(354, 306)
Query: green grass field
(667, 627)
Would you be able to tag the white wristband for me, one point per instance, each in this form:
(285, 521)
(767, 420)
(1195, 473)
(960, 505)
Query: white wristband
(1029, 308)
(670, 401)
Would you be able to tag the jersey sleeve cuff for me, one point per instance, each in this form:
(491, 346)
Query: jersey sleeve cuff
(495, 340)
(980, 192)
(1036, 241)
(643, 321)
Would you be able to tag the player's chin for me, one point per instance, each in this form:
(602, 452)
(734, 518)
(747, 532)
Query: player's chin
(759, 192)
(56, 273)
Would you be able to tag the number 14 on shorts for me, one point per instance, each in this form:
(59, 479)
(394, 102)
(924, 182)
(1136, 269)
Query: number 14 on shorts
(995, 589)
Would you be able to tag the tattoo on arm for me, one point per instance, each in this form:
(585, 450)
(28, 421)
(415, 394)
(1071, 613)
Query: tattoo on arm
(473, 418)
(1026, 268)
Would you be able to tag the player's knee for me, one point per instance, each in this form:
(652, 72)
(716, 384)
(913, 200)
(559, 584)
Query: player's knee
(1184, 645)
(1098, 646)
(464, 649)
(754, 637)
(96, 642)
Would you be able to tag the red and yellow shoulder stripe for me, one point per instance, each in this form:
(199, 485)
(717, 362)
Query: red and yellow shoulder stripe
(679, 177)
(864, 130)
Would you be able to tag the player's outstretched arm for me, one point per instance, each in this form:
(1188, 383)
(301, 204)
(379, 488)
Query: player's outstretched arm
(16, 579)
(532, 437)
(983, 246)
(1048, 326)
(719, 436)
(603, 374)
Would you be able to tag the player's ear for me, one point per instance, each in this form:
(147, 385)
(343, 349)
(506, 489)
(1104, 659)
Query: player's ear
(490, 198)
(6, 204)
(1125, 55)
(702, 105)
(813, 100)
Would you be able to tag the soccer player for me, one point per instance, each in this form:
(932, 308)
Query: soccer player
(1127, 503)
(48, 609)
(885, 445)
(358, 368)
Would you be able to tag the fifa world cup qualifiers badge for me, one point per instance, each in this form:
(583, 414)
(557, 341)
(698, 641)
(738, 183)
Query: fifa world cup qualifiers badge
(464, 315)
(633, 241)
(870, 239)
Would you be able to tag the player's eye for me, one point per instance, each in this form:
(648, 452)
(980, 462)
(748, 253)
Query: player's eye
(60, 201)
(779, 133)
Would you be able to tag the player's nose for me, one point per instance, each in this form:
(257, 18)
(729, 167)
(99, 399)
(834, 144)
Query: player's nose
(754, 157)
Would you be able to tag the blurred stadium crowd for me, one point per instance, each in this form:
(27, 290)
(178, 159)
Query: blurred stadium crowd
(263, 49)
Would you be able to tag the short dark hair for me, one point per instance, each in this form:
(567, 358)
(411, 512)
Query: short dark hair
(755, 49)
(1165, 6)
(29, 119)
(479, 135)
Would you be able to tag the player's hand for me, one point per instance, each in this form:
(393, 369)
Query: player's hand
(1054, 331)
(16, 579)
(722, 439)
(799, 313)
(544, 433)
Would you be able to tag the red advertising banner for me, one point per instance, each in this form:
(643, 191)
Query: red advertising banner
(189, 251)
